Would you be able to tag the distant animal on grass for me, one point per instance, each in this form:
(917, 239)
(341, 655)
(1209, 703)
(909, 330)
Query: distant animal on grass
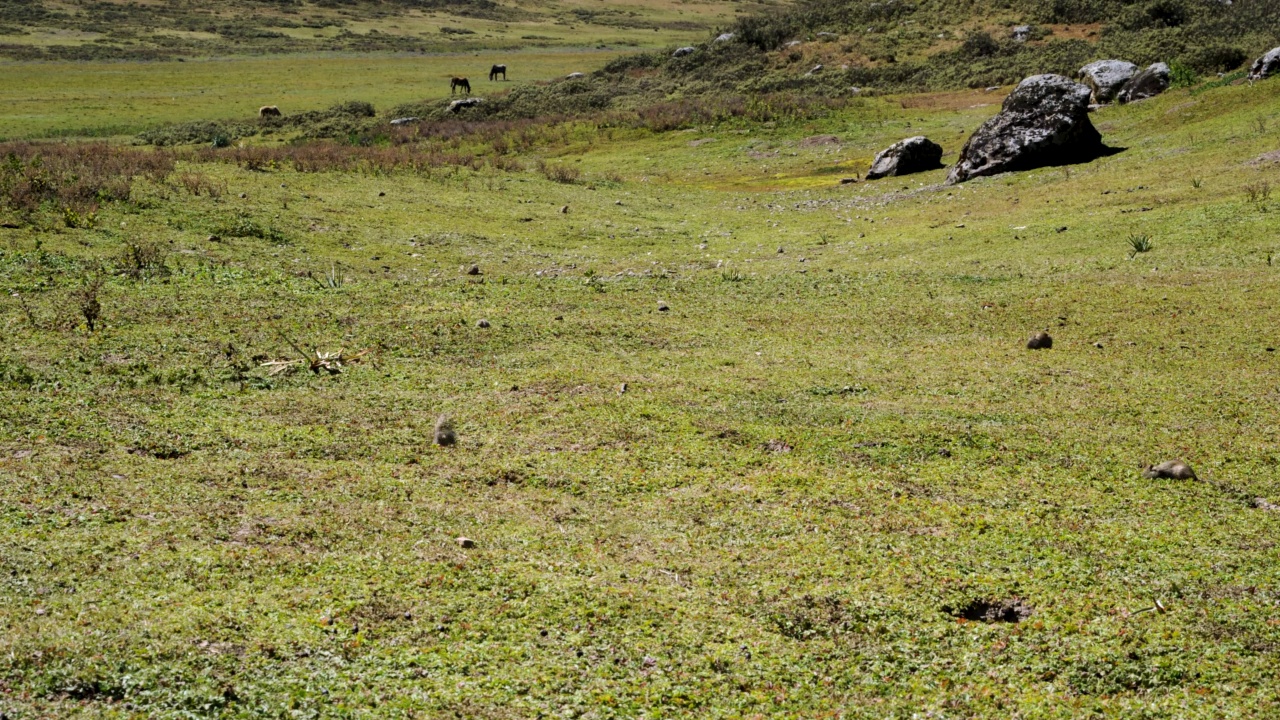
(460, 83)
(497, 70)
(267, 111)
(1170, 470)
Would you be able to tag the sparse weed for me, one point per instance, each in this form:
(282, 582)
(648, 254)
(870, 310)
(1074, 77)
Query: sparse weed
(1139, 244)
(559, 172)
(141, 259)
(1258, 193)
(86, 299)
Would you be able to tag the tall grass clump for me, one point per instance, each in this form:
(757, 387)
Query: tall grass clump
(73, 178)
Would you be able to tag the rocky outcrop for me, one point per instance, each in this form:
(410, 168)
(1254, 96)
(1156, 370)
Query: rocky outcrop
(1106, 77)
(1146, 84)
(1044, 121)
(457, 105)
(1266, 66)
(913, 155)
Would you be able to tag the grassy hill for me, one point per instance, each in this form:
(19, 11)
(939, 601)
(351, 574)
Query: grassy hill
(117, 29)
(828, 479)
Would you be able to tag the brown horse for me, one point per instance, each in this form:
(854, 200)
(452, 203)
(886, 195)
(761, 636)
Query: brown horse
(497, 70)
(459, 82)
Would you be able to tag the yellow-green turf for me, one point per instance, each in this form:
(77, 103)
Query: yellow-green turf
(779, 498)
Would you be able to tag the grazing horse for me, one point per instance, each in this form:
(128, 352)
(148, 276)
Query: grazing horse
(497, 70)
(268, 111)
(463, 83)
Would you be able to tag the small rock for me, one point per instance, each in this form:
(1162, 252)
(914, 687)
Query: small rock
(404, 120)
(724, 37)
(243, 195)
(382, 194)
(575, 76)
(466, 543)
(622, 388)
(681, 52)
(408, 615)
(564, 210)
(1040, 341)
(1022, 33)
(848, 180)
(662, 307)
(1170, 470)
(213, 238)
(780, 251)
(1098, 345)
(473, 270)
(482, 323)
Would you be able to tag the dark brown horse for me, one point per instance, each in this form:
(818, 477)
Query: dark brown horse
(497, 70)
(462, 83)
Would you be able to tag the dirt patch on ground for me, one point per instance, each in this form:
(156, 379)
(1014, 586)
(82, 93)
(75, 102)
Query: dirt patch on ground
(1010, 610)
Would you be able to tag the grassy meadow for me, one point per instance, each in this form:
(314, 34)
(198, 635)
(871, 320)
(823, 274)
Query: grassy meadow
(106, 99)
(738, 440)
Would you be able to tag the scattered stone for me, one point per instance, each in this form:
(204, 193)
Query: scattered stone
(991, 89)
(574, 76)
(1170, 470)
(564, 210)
(466, 543)
(444, 434)
(473, 270)
(1040, 341)
(404, 120)
(794, 43)
(681, 52)
(855, 90)
(1098, 345)
(1146, 84)
(913, 155)
(1266, 66)
(1022, 33)
(662, 307)
(777, 446)
(781, 250)
(848, 180)
(724, 37)
(213, 238)
(814, 71)
(244, 195)
(1044, 121)
(1264, 504)
(382, 194)
(1106, 77)
(482, 323)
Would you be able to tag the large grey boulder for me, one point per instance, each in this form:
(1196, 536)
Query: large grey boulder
(913, 155)
(1044, 121)
(1106, 77)
(1146, 84)
(1266, 66)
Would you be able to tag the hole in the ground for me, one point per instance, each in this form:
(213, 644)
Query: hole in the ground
(1009, 610)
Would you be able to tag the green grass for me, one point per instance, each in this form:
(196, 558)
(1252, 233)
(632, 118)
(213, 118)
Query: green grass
(183, 534)
(42, 99)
